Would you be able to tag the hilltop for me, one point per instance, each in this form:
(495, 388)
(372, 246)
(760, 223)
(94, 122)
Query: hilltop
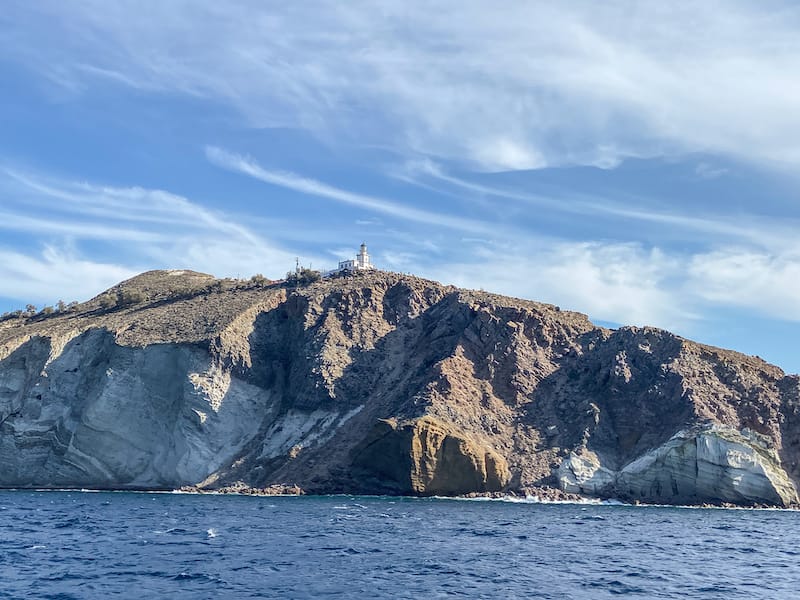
(377, 382)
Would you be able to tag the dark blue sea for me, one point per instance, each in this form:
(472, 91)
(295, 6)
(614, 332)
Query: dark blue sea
(137, 545)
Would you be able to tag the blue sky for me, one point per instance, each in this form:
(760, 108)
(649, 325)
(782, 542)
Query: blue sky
(635, 162)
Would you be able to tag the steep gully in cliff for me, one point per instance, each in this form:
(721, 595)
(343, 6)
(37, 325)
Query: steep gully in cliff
(388, 384)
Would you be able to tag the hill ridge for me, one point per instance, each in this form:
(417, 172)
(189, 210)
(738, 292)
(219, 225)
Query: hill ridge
(381, 382)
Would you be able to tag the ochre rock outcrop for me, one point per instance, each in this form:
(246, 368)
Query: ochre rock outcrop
(425, 457)
(383, 383)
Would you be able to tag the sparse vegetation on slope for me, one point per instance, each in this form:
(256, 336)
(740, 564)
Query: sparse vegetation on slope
(303, 276)
(386, 383)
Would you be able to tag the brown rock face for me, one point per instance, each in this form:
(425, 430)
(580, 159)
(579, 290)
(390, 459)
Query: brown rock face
(383, 383)
(423, 457)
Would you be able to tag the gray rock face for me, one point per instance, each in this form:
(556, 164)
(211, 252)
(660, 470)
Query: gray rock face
(97, 414)
(718, 463)
(207, 382)
(713, 463)
(583, 473)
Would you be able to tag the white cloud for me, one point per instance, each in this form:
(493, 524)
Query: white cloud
(620, 282)
(400, 261)
(55, 274)
(86, 230)
(368, 222)
(750, 228)
(136, 227)
(759, 281)
(706, 171)
(630, 283)
(504, 154)
(530, 85)
(623, 283)
(250, 167)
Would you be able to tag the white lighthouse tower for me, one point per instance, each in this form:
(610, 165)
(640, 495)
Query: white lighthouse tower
(361, 263)
(362, 260)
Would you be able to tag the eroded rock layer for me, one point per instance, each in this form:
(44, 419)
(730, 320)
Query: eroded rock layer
(383, 383)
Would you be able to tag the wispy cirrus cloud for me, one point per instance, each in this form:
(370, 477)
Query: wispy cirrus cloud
(312, 187)
(619, 281)
(623, 283)
(627, 282)
(133, 228)
(108, 205)
(718, 227)
(631, 283)
(536, 84)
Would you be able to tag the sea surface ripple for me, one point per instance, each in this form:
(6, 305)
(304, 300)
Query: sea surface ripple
(135, 545)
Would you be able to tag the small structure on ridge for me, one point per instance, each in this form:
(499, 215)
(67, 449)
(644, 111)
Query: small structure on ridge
(360, 263)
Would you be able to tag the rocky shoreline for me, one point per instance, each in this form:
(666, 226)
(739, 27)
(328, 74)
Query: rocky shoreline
(535, 495)
(245, 490)
(384, 384)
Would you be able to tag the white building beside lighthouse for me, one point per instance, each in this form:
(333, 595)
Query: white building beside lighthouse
(360, 263)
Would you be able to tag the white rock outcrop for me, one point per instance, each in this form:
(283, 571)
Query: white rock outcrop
(714, 463)
(88, 412)
(582, 473)
(376, 382)
(705, 464)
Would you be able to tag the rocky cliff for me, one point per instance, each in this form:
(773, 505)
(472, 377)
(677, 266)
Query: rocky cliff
(383, 383)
